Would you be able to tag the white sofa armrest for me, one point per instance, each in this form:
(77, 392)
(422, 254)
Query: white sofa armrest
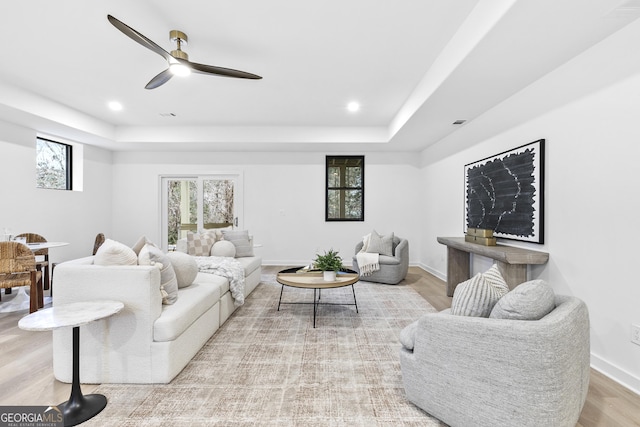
(120, 344)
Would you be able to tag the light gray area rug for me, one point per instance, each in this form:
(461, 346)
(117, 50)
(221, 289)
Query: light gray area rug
(265, 367)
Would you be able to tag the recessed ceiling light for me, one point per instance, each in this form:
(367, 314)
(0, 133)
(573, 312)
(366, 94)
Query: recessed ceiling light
(353, 106)
(115, 106)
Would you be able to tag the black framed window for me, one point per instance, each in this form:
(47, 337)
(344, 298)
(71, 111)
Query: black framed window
(53, 164)
(344, 193)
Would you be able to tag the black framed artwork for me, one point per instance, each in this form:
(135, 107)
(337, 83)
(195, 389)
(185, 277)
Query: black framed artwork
(505, 193)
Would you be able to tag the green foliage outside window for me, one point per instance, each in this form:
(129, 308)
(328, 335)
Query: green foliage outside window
(344, 188)
(53, 165)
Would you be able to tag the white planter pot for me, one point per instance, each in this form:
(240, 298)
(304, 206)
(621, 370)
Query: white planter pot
(329, 276)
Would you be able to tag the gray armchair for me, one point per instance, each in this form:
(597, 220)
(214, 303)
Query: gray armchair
(393, 269)
(472, 371)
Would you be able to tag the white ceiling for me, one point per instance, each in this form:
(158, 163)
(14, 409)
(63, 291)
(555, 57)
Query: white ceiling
(416, 66)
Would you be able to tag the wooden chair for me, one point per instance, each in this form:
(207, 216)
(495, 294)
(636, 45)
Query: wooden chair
(18, 268)
(43, 265)
(98, 242)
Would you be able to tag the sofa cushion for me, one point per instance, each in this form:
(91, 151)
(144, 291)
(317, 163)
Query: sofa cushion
(115, 253)
(185, 267)
(193, 301)
(477, 296)
(250, 264)
(240, 239)
(199, 244)
(529, 301)
(150, 255)
(223, 248)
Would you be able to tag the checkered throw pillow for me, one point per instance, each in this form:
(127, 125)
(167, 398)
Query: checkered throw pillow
(199, 244)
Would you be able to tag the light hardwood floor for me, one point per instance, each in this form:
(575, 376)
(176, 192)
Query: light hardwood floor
(26, 373)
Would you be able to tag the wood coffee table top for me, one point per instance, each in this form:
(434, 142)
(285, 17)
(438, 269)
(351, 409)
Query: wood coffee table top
(298, 278)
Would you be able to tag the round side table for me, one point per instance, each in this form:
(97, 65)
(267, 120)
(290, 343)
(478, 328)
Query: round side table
(79, 408)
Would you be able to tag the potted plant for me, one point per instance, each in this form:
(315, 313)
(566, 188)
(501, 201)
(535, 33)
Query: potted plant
(329, 263)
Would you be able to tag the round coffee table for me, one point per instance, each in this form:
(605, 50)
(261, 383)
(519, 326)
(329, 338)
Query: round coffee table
(79, 408)
(297, 277)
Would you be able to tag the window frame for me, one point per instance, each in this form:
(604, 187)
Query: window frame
(328, 163)
(68, 164)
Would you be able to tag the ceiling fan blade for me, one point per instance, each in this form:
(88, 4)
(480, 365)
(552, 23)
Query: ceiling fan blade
(160, 79)
(220, 71)
(136, 36)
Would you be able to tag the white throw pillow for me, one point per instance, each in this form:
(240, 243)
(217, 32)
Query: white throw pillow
(139, 244)
(115, 253)
(150, 255)
(240, 239)
(477, 296)
(185, 267)
(223, 248)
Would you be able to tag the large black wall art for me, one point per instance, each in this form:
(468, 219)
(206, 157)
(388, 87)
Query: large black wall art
(505, 193)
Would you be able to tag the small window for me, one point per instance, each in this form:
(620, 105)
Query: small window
(344, 188)
(53, 164)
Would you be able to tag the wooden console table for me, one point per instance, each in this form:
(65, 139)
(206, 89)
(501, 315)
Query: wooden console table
(511, 261)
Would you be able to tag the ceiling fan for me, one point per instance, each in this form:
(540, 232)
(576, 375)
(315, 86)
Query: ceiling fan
(178, 59)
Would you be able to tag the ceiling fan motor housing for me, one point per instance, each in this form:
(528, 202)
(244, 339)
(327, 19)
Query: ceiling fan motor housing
(179, 37)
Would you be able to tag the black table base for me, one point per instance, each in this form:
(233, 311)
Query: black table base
(79, 408)
(316, 301)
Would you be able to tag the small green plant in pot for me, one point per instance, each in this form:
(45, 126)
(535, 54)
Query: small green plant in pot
(329, 263)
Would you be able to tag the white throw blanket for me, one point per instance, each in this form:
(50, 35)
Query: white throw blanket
(230, 268)
(368, 262)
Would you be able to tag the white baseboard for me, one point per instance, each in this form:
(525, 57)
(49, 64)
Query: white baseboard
(436, 273)
(616, 374)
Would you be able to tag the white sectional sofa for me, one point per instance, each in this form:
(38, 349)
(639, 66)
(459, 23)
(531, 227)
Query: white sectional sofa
(147, 342)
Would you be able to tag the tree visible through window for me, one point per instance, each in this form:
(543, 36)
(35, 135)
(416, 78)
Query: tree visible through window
(344, 188)
(53, 164)
(187, 212)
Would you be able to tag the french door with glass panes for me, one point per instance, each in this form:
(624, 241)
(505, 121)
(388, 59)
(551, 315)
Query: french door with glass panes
(194, 203)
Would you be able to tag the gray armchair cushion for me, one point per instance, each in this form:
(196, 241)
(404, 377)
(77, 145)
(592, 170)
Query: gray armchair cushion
(529, 301)
(382, 245)
(477, 296)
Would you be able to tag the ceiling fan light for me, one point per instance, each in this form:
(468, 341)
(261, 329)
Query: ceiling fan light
(179, 70)
(353, 107)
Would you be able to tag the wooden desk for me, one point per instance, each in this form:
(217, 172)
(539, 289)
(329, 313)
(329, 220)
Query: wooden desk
(511, 261)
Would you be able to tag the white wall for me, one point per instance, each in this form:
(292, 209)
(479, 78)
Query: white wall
(283, 199)
(591, 195)
(69, 216)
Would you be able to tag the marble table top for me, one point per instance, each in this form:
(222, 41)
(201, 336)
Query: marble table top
(67, 315)
(45, 245)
